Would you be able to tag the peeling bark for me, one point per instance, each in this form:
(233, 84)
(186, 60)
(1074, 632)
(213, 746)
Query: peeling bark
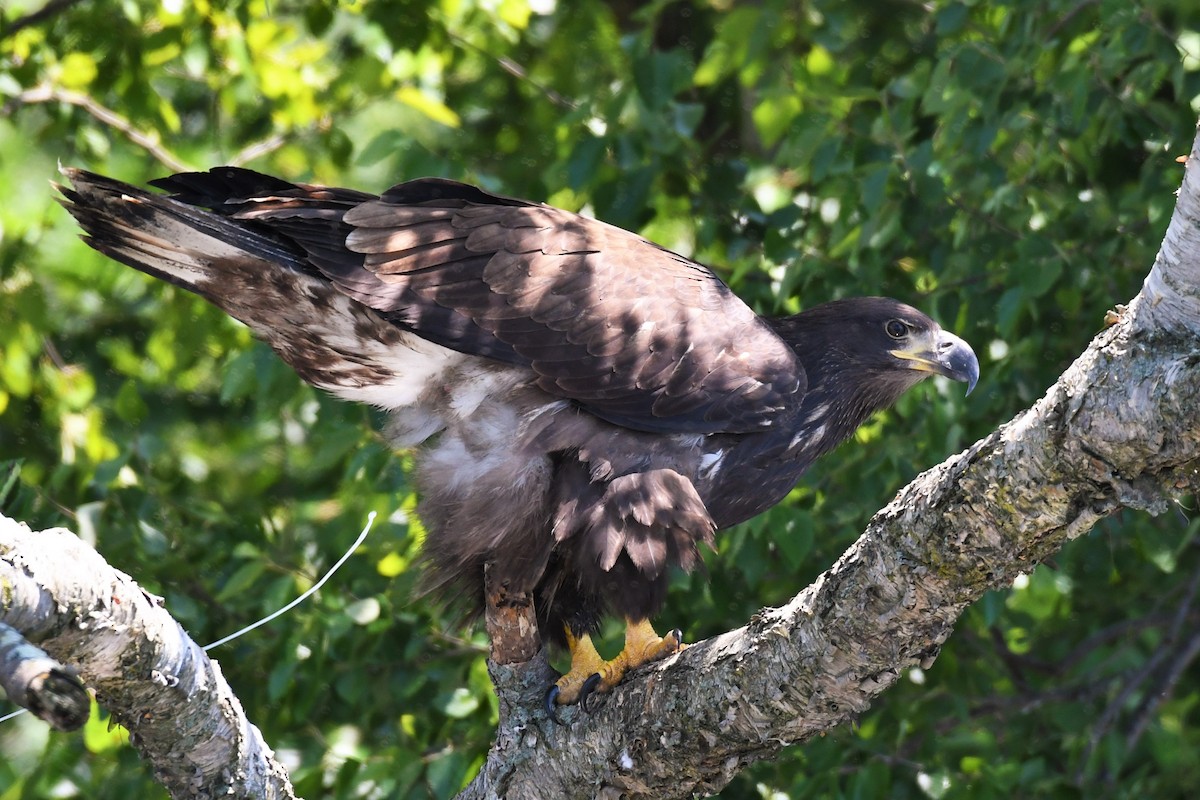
(511, 622)
(1119, 429)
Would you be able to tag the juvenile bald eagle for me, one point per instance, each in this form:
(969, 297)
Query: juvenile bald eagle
(587, 407)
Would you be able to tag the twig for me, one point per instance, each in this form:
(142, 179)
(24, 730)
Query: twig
(1146, 707)
(1110, 634)
(1166, 684)
(457, 645)
(1066, 18)
(53, 94)
(1016, 663)
(1161, 691)
(149, 141)
(52, 353)
(258, 149)
(34, 18)
(1185, 607)
(520, 73)
(1105, 723)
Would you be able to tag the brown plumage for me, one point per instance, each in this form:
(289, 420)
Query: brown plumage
(589, 407)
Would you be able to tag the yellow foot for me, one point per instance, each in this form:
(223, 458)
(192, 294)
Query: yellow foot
(590, 673)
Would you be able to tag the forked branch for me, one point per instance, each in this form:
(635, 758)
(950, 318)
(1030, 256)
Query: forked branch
(1119, 429)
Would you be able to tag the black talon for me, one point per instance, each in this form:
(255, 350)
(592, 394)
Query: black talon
(585, 692)
(551, 706)
(678, 634)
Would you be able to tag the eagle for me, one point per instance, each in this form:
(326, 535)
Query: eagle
(586, 407)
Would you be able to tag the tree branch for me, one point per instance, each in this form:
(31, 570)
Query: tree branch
(47, 93)
(1169, 300)
(257, 150)
(155, 681)
(1120, 428)
(36, 17)
(38, 683)
(511, 623)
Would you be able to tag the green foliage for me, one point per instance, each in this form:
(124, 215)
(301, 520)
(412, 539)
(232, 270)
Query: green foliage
(1008, 167)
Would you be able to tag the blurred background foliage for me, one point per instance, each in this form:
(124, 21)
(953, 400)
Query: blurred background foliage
(1007, 166)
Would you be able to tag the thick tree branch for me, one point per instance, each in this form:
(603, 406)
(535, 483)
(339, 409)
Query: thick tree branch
(1120, 428)
(1170, 297)
(181, 714)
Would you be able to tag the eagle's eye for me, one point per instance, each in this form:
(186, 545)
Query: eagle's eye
(895, 328)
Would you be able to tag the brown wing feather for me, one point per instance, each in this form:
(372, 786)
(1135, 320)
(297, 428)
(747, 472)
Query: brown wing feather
(632, 332)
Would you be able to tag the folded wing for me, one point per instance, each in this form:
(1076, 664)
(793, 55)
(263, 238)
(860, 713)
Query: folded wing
(633, 333)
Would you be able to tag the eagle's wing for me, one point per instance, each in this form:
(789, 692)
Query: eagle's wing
(632, 332)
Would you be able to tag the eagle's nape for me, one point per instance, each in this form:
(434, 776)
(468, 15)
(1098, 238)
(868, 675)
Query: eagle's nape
(588, 408)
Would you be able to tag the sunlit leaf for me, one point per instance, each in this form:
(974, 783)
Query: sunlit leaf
(434, 109)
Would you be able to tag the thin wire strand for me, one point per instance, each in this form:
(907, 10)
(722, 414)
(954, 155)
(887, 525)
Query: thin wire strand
(316, 586)
(345, 557)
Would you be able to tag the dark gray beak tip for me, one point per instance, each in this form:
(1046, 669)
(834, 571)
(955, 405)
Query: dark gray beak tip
(958, 360)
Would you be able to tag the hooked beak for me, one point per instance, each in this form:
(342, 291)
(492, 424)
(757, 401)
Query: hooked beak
(942, 353)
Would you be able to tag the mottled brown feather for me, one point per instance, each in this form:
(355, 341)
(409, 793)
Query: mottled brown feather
(556, 288)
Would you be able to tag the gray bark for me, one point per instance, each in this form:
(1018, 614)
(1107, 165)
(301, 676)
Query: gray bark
(35, 681)
(155, 681)
(1119, 429)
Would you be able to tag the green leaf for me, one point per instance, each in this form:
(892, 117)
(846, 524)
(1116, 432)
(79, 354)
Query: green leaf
(461, 703)
(78, 70)
(242, 579)
(795, 540)
(101, 734)
(129, 405)
(431, 107)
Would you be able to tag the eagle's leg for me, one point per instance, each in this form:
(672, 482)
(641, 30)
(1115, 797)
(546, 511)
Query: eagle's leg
(590, 673)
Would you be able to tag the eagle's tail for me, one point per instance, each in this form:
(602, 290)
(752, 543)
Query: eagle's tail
(260, 277)
(189, 246)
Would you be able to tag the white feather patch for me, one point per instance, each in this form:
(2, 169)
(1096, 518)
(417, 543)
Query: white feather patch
(404, 371)
(711, 462)
(474, 382)
(415, 365)
(179, 266)
(817, 412)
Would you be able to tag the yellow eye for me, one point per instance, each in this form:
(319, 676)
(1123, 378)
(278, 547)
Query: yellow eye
(896, 329)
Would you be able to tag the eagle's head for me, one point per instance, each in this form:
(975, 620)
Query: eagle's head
(862, 353)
